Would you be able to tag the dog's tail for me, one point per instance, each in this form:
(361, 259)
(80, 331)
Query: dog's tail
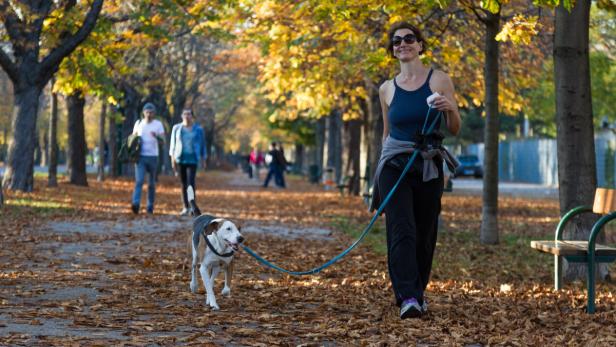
(190, 192)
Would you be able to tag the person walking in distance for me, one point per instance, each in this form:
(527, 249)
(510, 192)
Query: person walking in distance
(272, 158)
(256, 160)
(412, 213)
(282, 167)
(187, 151)
(151, 132)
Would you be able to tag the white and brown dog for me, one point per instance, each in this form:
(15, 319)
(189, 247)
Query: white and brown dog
(221, 240)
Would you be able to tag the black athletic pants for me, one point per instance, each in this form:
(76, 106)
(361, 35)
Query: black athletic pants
(412, 224)
(187, 174)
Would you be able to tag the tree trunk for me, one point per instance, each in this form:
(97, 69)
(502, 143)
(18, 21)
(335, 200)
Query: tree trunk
(113, 149)
(299, 158)
(38, 152)
(334, 143)
(77, 149)
(320, 143)
(178, 102)
(3, 149)
(20, 159)
(489, 215)
(577, 177)
(209, 128)
(45, 151)
(131, 113)
(101, 144)
(52, 175)
(353, 146)
(373, 131)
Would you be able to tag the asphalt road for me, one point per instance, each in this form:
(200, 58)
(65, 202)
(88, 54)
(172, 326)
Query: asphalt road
(527, 190)
(465, 185)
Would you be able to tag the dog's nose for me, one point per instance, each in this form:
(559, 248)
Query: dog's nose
(240, 239)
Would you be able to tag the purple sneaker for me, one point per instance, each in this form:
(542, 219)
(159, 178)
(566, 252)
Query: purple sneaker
(410, 308)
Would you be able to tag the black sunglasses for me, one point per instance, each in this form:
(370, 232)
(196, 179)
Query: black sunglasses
(409, 39)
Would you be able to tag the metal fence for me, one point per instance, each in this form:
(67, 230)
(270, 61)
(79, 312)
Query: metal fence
(535, 160)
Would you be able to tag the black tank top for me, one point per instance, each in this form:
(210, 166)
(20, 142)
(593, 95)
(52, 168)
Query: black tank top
(407, 111)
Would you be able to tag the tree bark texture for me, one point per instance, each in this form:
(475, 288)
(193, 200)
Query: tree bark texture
(320, 143)
(38, 152)
(577, 176)
(113, 148)
(45, 150)
(299, 157)
(101, 144)
(489, 215)
(373, 130)
(334, 143)
(52, 175)
(209, 127)
(353, 146)
(77, 148)
(20, 159)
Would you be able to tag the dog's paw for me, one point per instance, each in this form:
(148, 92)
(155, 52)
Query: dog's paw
(214, 306)
(226, 291)
(193, 287)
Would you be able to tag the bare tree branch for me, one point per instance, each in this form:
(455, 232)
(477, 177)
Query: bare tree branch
(473, 8)
(228, 116)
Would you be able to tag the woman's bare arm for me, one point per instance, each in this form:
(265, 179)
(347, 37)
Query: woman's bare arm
(384, 108)
(447, 101)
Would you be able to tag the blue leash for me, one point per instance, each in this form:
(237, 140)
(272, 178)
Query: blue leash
(368, 227)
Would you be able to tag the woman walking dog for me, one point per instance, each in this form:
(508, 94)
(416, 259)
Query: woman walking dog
(187, 151)
(412, 213)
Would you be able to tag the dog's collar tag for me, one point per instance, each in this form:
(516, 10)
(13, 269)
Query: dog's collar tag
(225, 255)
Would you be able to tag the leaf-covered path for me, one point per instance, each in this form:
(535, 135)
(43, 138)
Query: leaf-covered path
(75, 267)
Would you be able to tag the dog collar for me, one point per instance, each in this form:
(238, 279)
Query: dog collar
(225, 255)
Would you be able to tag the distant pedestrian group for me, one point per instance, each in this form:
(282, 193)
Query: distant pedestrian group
(186, 151)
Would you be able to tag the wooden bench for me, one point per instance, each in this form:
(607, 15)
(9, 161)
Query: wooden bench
(588, 252)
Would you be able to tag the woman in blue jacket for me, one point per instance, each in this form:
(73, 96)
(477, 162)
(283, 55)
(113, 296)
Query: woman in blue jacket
(187, 150)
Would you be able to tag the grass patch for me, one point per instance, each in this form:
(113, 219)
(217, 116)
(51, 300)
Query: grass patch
(19, 206)
(375, 238)
(45, 174)
(459, 254)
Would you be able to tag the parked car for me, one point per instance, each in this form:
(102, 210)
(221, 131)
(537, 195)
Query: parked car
(469, 166)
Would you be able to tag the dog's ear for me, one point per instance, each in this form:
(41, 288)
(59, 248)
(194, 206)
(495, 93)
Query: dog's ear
(214, 225)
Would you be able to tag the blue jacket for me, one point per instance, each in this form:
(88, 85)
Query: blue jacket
(175, 147)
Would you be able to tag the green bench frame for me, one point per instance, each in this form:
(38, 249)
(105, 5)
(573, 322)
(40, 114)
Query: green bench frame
(579, 251)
